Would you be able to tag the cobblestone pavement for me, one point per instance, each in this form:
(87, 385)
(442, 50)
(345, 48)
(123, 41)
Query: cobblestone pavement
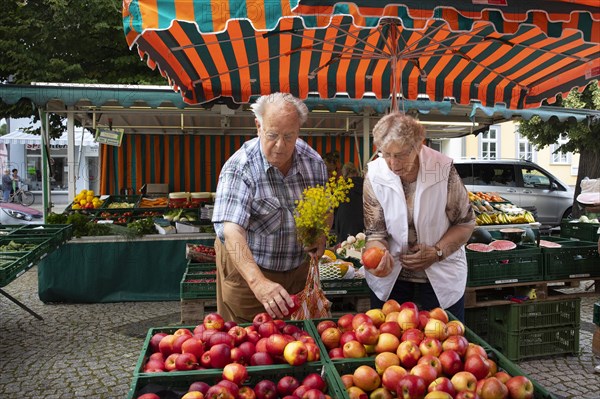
(90, 350)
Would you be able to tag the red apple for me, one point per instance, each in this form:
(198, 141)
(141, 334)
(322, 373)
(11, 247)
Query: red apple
(347, 380)
(324, 325)
(356, 393)
(314, 353)
(442, 384)
(260, 319)
(205, 360)
(252, 337)
(467, 395)
(221, 337)
(314, 381)
(157, 356)
(170, 362)
(371, 257)
(493, 388)
(385, 360)
(430, 346)
(474, 348)
(408, 352)
(413, 334)
(354, 349)
(381, 393)
(366, 378)
(238, 333)
(194, 346)
(433, 361)
(377, 316)
(186, 361)
(296, 300)
(313, 394)
(439, 314)
(300, 391)
(246, 392)
(290, 329)
(279, 324)
(503, 376)
(154, 366)
(367, 333)
(155, 340)
(331, 337)
(387, 343)
(199, 329)
(389, 306)
(344, 323)
(165, 346)
(199, 386)
(391, 377)
(265, 389)
(182, 331)
(231, 386)
(423, 319)
(248, 349)
(359, 319)
(451, 362)
(275, 344)
(456, 343)
(235, 373)
(179, 341)
(336, 353)
(237, 356)
(347, 336)
(261, 359)
(520, 387)
(464, 381)
(392, 316)
(214, 321)
(261, 345)
(207, 334)
(295, 353)
(455, 327)
(438, 395)
(391, 327)
(219, 392)
(425, 371)
(408, 318)
(411, 387)
(267, 329)
(436, 329)
(148, 396)
(478, 365)
(220, 355)
(287, 385)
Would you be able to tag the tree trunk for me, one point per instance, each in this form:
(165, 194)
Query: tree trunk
(589, 166)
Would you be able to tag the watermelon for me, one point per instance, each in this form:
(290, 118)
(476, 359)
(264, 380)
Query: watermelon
(503, 245)
(479, 247)
(549, 244)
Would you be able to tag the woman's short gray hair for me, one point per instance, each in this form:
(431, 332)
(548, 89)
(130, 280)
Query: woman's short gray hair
(397, 127)
(260, 106)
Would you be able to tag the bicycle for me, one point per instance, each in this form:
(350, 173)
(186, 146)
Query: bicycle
(21, 196)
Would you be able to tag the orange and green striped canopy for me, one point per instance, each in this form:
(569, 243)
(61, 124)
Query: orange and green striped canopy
(239, 52)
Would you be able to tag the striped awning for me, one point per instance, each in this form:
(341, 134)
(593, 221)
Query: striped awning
(238, 51)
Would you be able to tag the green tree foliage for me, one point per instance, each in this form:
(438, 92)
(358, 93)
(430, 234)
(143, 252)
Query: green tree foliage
(584, 137)
(74, 41)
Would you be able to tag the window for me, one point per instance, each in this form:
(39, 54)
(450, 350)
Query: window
(525, 150)
(560, 157)
(488, 144)
(534, 178)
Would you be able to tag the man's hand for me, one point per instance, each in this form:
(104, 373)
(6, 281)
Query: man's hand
(421, 257)
(384, 267)
(274, 297)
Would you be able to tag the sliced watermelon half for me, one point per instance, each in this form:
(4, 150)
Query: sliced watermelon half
(479, 247)
(503, 245)
(549, 244)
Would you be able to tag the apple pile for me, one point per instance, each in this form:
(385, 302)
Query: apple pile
(232, 386)
(417, 354)
(216, 343)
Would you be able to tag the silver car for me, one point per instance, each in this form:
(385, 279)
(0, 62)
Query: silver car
(523, 183)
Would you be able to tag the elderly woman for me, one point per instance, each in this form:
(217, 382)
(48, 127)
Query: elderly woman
(417, 209)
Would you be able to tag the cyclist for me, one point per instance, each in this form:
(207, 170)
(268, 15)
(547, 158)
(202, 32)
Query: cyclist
(7, 184)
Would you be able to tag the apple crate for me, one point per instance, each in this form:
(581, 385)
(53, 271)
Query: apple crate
(12, 265)
(58, 233)
(353, 286)
(579, 230)
(520, 345)
(171, 385)
(37, 247)
(146, 349)
(575, 259)
(477, 319)
(198, 285)
(503, 267)
(531, 315)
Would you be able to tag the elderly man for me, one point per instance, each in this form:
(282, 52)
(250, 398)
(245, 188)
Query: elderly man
(260, 261)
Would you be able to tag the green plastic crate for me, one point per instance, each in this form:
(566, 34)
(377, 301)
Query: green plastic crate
(520, 345)
(177, 385)
(58, 233)
(579, 231)
(354, 286)
(132, 199)
(575, 259)
(531, 315)
(205, 286)
(477, 319)
(12, 265)
(502, 267)
(199, 267)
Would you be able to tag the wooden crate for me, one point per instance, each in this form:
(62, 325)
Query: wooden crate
(193, 310)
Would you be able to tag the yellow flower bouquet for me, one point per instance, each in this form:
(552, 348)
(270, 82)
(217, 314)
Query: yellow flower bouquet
(316, 206)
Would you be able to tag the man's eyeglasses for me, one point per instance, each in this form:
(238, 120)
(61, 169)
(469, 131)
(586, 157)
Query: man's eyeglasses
(288, 138)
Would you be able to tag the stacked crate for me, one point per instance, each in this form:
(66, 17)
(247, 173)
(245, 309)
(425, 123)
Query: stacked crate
(198, 291)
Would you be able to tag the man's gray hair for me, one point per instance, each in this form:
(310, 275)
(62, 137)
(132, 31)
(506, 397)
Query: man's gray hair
(260, 106)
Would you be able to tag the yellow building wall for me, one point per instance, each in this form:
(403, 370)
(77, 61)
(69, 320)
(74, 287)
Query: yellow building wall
(508, 150)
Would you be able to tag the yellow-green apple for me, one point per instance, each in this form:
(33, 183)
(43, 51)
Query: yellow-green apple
(324, 325)
(246, 392)
(287, 385)
(214, 321)
(165, 346)
(238, 333)
(347, 336)
(391, 327)
(392, 316)
(425, 371)
(276, 343)
(235, 373)
(411, 387)
(355, 392)
(520, 387)
(354, 349)
(464, 381)
(433, 361)
(265, 389)
(295, 353)
(347, 380)
(493, 388)
(377, 316)
(442, 384)
(387, 343)
(456, 343)
(385, 360)
(220, 355)
(408, 318)
(199, 386)
(155, 340)
(436, 329)
(389, 306)
(186, 361)
(381, 393)
(170, 361)
(367, 333)
(261, 359)
(182, 331)
(336, 353)
(261, 318)
(194, 346)
(313, 351)
(409, 353)
(474, 348)
(455, 327)
(430, 346)
(438, 395)
(391, 376)
(314, 380)
(409, 305)
(331, 337)
(478, 365)
(503, 376)
(412, 334)
(359, 319)
(366, 378)
(344, 322)
(451, 362)
(221, 337)
(439, 314)
(370, 349)
(267, 329)
(423, 318)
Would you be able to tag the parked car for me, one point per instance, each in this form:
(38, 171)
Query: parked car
(523, 183)
(19, 214)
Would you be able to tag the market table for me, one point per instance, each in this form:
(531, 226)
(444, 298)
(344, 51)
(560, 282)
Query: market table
(117, 269)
